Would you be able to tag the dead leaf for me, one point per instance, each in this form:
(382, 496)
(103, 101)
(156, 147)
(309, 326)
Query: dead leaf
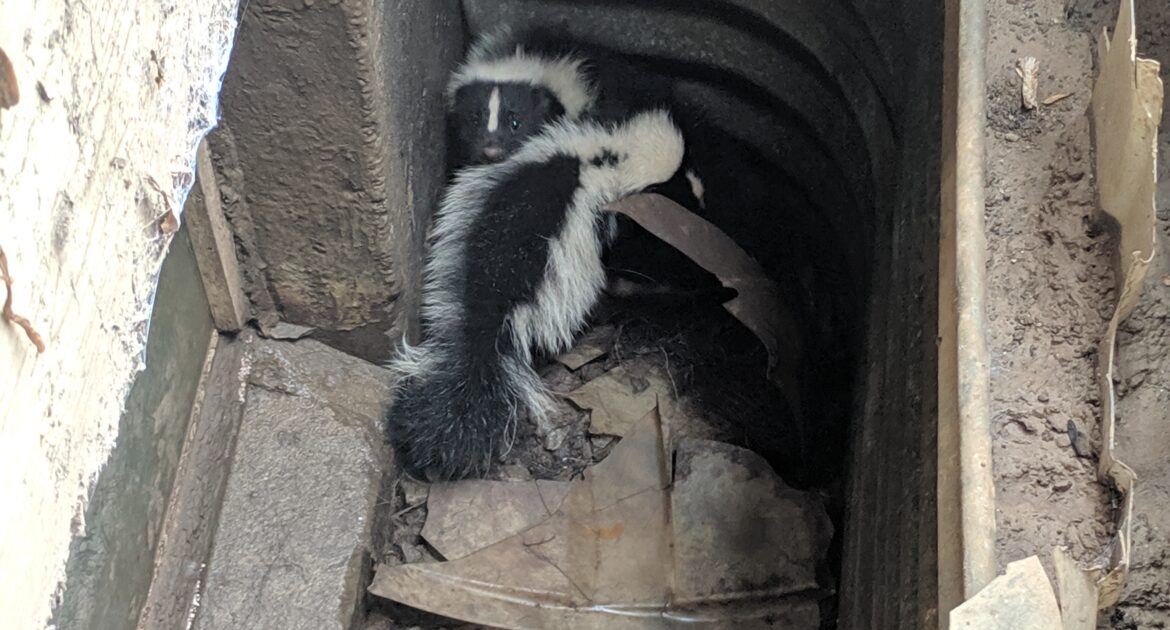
(1021, 598)
(1056, 98)
(1076, 590)
(1126, 107)
(552, 433)
(9, 91)
(613, 403)
(169, 223)
(757, 306)
(467, 516)
(1029, 72)
(592, 346)
(10, 316)
(634, 546)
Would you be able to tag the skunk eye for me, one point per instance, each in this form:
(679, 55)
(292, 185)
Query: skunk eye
(515, 122)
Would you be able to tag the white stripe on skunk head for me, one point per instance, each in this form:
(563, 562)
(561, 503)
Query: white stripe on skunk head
(493, 61)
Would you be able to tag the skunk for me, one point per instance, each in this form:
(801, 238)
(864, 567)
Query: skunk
(503, 94)
(515, 267)
(511, 86)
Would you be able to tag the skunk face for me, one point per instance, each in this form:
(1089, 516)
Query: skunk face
(492, 120)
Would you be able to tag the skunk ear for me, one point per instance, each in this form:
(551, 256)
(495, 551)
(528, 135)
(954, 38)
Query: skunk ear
(543, 100)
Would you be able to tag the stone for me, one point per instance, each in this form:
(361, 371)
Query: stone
(290, 550)
(320, 149)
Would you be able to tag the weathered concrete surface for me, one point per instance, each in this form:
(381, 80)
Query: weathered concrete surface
(215, 247)
(332, 159)
(291, 542)
(185, 542)
(110, 563)
(114, 94)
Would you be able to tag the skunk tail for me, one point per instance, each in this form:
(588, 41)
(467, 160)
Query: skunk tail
(455, 411)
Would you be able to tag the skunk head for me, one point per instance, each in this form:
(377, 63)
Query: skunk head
(491, 120)
(503, 94)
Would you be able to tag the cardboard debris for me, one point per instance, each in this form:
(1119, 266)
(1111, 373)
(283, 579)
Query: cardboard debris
(592, 346)
(615, 404)
(757, 305)
(1020, 599)
(1078, 592)
(719, 541)
(728, 500)
(470, 515)
(1126, 108)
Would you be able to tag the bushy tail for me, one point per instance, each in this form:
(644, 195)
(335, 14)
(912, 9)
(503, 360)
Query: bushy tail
(455, 411)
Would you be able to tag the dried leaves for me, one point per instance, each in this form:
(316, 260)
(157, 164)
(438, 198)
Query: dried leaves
(1028, 70)
(649, 534)
(757, 304)
(9, 316)
(9, 92)
(1055, 98)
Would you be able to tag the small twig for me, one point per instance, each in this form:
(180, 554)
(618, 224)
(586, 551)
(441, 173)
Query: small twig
(406, 509)
(1055, 98)
(9, 316)
(669, 374)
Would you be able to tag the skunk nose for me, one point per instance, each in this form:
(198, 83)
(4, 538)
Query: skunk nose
(493, 154)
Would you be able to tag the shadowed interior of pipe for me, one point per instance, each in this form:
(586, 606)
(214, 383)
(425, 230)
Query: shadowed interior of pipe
(826, 170)
(800, 99)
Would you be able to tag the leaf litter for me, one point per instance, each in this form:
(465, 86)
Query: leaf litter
(643, 457)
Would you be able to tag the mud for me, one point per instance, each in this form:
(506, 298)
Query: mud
(1050, 293)
(1144, 386)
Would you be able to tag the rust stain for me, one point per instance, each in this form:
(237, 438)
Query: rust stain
(612, 532)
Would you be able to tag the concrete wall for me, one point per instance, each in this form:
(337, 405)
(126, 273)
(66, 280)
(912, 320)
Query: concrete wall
(330, 160)
(111, 563)
(114, 95)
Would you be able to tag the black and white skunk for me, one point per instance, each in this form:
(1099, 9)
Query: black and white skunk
(515, 267)
(512, 85)
(504, 94)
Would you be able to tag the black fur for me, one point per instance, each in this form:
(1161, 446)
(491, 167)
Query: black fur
(623, 87)
(524, 110)
(451, 425)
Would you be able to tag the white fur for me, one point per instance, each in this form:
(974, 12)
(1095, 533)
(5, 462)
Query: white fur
(494, 110)
(491, 62)
(697, 188)
(650, 150)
